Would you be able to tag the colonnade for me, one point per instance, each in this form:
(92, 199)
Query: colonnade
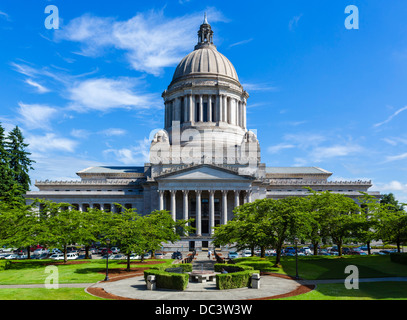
(205, 108)
(223, 200)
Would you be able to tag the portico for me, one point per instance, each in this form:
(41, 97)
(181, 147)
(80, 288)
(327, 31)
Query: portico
(205, 193)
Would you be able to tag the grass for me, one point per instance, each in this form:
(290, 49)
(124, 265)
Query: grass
(33, 271)
(367, 291)
(46, 294)
(330, 267)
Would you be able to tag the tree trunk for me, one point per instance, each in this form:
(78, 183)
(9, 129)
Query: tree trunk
(28, 252)
(339, 244)
(315, 244)
(398, 245)
(368, 247)
(87, 252)
(278, 256)
(263, 252)
(65, 254)
(128, 262)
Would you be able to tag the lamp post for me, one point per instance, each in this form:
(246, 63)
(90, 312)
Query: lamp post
(296, 259)
(107, 260)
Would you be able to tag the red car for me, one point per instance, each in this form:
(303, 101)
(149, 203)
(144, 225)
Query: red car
(104, 251)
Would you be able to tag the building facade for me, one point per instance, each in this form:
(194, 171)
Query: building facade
(203, 163)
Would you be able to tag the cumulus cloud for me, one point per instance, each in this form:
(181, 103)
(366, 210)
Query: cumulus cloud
(104, 94)
(150, 41)
(35, 116)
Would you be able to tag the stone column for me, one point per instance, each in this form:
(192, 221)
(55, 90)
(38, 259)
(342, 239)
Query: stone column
(198, 213)
(219, 105)
(191, 108)
(210, 108)
(173, 205)
(244, 115)
(161, 194)
(200, 108)
(185, 202)
(237, 198)
(224, 206)
(211, 210)
(185, 109)
(249, 196)
(225, 109)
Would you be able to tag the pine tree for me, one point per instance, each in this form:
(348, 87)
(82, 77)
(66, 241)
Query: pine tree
(19, 160)
(6, 180)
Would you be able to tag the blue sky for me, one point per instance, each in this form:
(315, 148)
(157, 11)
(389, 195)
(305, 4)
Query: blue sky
(321, 95)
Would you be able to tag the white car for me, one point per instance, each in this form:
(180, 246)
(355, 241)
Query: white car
(72, 256)
(115, 249)
(11, 256)
(57, 256)
(40, 251)
(246, 253)
(134, 256)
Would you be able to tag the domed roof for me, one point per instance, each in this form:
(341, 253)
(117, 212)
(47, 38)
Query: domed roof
(205, 60)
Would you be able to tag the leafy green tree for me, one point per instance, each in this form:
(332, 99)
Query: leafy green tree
(19, 160)
(392, 225)
(367, 224)
(339, 214)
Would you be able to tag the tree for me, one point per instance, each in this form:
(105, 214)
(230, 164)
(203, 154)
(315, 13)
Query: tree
(19, 160)
(6, 180)
(338, 214)
(367, 224)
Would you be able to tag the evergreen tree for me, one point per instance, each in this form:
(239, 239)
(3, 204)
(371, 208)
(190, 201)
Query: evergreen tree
(19, 161)
(5, 171)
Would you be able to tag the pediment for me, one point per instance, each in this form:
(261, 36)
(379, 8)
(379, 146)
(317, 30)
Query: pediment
(204, 172)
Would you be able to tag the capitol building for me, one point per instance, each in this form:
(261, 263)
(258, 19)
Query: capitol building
(203, 163)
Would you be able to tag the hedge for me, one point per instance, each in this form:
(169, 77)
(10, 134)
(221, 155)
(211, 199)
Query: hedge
(398, 258)
(170, 280)
(5, 264)
(231, 267)
(234, 280)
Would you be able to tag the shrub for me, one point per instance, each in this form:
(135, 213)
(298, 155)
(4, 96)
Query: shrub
(399, 258)
(234, 280)
(5, 264)
(231, 267)
(168, 280)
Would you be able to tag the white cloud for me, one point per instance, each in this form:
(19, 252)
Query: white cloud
(293, 23)
(50, 142)
(391, 117)
(150, 40)
(322, 153)
(36, 116)
(279, 147)
(113, 132)
(136, 155)
(240, 42)
(396, 157)
(105, 94)
(39, 87)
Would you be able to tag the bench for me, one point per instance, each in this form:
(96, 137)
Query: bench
(202, 277)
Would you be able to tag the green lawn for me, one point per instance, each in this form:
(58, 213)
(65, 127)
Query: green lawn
(33, 271)
(46, 294)
(367, 291)
(330, 267)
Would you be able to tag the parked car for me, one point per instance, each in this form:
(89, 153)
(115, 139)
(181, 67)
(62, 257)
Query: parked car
(11, 256)
(55, 250)
(57, 256)
(40, 251)
(289, 250)
(176, 255)
(115, 250)
(134, 256)
(307, 251)
(246, 253)
(104, 252)
(159, 255)
(233, 255)
(118, 257)
(72, 256)
(346, 251)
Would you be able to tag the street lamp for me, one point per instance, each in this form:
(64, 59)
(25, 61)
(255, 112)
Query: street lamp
(107, 260)
(296, 259)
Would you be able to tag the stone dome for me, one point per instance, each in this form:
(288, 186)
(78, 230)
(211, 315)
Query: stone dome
(205, 60)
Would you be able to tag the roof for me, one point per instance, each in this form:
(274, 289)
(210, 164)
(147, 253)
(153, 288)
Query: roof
(112, 169)
(296, 170)
(205, 60)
